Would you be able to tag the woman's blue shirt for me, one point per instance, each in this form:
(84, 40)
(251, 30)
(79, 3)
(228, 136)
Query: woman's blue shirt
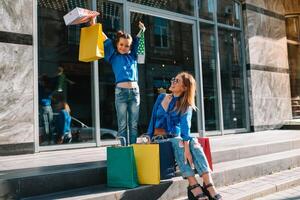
(172, 121)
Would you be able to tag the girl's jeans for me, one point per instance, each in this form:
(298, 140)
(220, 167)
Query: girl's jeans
(199, 159)
(47, 121)
(127, 102)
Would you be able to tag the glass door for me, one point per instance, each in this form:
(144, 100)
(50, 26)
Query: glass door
(65, 84)
(169, 49)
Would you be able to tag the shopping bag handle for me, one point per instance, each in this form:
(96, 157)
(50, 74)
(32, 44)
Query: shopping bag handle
(121, 138)
(145, 136)
(156, 138)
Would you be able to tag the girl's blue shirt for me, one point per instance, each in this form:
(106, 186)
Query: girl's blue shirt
(172, 121)
(124, 65)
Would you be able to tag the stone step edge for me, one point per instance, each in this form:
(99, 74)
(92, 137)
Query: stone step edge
(269, 184)
(235, 173)
(260, 187)
(242, 152)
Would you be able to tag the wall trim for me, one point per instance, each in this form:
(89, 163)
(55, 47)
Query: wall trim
(15, 149)
(15, 38)
(262, 11)
(267, 68)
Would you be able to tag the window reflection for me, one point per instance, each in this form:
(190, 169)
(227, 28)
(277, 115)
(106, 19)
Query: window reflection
(206, 9)
(112, 21)
(164, 59)
(180, 6)
(64, 82)
(228, 12)
(210, 90)
(232, 79)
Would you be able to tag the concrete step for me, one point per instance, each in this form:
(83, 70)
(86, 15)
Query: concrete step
(226, 173)
(261, 188)
(291, 194)
(253, 148)
(15, 184)
(293, 124)
(70, 169)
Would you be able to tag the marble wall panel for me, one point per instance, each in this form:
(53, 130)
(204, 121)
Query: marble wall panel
(17, 16)
(276, 6)
(271, 111)
(266, 41)
(16, 99)
(270, 84)
(271, 98)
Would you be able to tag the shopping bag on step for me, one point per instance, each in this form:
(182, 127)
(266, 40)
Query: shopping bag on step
(91, 46)
(204, 141)
(147, 163)
(121, 167)
(166, 157)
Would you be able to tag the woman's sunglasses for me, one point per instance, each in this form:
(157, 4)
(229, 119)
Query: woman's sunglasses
(174, 80)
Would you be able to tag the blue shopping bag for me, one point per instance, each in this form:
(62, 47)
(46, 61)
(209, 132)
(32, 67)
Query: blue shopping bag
(167, 158)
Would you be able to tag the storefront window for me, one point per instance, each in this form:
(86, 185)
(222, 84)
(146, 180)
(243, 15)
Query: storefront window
(206, 9)
(112, 20)
(228, 12)
(210, 90)
(65, 84)
(232, 79)
(180, 6)
(162, 64)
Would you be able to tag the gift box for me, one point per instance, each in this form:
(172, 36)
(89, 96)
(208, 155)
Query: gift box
(79, 15)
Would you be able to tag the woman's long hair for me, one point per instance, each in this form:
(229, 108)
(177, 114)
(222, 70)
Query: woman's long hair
(187, 98)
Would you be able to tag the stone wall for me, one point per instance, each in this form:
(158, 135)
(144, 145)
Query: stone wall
(16, 77)
(267, 63)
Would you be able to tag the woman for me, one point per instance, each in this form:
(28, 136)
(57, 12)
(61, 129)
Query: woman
(122, 55)
(171, 117)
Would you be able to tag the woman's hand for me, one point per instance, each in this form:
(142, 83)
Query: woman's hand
(142, 26)
(187, 154)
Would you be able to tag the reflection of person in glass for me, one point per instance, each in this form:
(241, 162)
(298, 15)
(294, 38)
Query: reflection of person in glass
(62, 81)
(63, 123)
(122, 55)
(46, 112)
(171, 118)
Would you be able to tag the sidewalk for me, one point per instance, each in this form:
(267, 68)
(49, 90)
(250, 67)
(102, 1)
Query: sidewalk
(85, 155)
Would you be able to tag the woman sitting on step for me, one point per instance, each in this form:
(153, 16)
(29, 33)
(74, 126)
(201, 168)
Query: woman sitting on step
(171, 117)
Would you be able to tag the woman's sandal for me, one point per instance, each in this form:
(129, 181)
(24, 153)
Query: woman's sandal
(191, 196)
(206, 192)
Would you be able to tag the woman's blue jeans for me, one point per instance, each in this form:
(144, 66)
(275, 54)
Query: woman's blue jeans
(127, 102)
(199, 159)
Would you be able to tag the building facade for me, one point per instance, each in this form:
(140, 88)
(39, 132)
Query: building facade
(242, 54)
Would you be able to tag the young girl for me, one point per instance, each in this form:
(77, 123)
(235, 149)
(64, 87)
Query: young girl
(122, 55)
(63, 123)
(171, 118)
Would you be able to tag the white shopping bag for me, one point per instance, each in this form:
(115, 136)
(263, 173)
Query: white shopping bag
(79, 15)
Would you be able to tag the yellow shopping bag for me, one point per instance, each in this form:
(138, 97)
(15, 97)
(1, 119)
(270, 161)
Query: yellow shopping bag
(147, 163)
(91, 45)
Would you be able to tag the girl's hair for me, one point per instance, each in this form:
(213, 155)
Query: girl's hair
(121, 34)
(67, 107)
(64, 106)
(188, 96)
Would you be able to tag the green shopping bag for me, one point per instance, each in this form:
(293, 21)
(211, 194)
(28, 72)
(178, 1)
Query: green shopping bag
(121, 168)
